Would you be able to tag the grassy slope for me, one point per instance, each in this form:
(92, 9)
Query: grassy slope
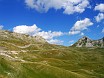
(49, 61)
(69, 63)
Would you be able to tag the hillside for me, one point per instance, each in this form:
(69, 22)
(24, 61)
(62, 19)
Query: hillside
(24, 56)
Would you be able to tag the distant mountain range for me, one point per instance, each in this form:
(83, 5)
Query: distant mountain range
(26, 39)
(87, 42)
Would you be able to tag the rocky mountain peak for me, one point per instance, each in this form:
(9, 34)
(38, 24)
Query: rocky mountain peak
(87, 42)
(85, 38)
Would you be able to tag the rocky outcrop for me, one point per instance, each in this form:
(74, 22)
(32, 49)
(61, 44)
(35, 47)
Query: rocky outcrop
(87, 42)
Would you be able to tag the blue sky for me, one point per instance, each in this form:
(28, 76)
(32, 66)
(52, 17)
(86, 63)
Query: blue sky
(58, 21)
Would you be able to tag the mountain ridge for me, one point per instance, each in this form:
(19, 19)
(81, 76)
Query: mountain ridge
(7, 34)
(82, 42)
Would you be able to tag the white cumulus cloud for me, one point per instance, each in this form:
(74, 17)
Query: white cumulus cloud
(99, 17)
(69, 6)
(49, 35)
(72, 32)
(55, 41)
(34, 30)
(24, 29)
(80, 26)
(100, 7)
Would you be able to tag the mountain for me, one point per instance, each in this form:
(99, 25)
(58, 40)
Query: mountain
(24, 56)
(7, 35)
(87, 42)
